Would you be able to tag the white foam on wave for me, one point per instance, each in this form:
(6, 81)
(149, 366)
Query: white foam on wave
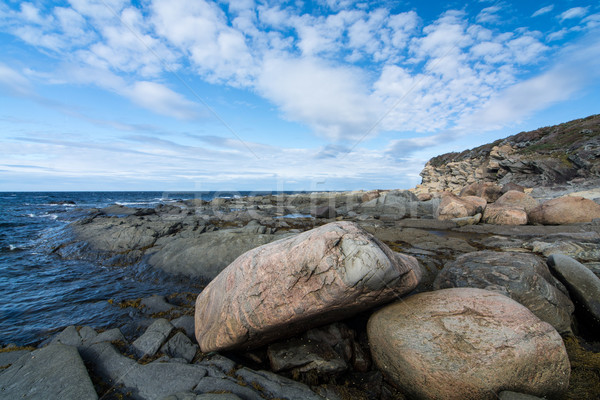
(134, 203)
(12, 247)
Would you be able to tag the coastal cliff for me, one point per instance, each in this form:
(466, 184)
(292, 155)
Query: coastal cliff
(548, 156)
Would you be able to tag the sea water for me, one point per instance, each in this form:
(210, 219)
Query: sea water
(41, 293)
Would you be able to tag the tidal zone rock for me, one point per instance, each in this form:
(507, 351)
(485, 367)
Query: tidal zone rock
(467, 344)
(565, 210)
(521, 276)
(453, 206)
(581, 282)
(293, 284)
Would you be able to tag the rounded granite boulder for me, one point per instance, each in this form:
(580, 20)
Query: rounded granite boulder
(291, 285)
(467, 343)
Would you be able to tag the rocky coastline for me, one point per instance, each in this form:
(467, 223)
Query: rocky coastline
(482, 283)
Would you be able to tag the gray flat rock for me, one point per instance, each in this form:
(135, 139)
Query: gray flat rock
(207, 396)
(185, 322)
(277, 387)
(153, 338)
(582, 283)
(9, 357)
(180, 346)
(53, 372)
(152, 381)
(68, 336)
(155, 304)
(210, 384)
(112, 335)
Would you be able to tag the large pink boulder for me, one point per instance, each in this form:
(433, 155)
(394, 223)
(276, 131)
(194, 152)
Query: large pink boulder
(297, 283)
(565, 210)
(452, 206)
(467, 343)
(504, 215)
(516, 199)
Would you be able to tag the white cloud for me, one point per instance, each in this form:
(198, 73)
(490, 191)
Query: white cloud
(333, 100)
(161, 99)
(543, 10)
(578, 67)
(489, 15)
(13, 82)
(558, 35)
(200, 31)
(575, 12)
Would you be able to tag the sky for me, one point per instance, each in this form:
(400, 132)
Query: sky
(195, 95)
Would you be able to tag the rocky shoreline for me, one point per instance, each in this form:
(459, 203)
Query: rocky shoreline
(476, 290)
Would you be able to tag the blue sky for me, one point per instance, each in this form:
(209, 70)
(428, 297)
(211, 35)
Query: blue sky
(244, 95)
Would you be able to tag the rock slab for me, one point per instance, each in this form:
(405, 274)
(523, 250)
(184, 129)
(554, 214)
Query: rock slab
(583, 284)
(291, 285)
(53, 372)
(467, 344)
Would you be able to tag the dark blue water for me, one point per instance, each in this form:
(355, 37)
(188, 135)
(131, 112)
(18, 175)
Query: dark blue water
(40, 292)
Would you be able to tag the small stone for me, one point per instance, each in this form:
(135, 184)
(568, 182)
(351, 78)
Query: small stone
(180, 346)
(156, 304)
(304, 355)
(154, 337)
(68, 336)
(111, 335)
(185, 322)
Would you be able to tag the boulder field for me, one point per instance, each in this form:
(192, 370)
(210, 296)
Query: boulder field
(459, 288)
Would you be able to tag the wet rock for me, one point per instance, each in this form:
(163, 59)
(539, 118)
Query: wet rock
(470, 344)
(69, 336)
(507, 395)
(565, 210)
(583, 285)
(208, 254)
(336, 335)
(504, 215)
(576, 248)
(8, 357)
(305, 355)
(324, 212)
(397, 203)
(255, 227)
(185, 322)
(180, 346)
(488, 191)
(516, 199)
(273, 386)
(521, 276)
(210, 384)
(154, 337)
(52, 372)
(452, 206)
(156, 304)
(206, 396)
(319, 276)
(464, 221)
(111, 335)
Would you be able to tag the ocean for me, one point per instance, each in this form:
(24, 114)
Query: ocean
(41, 293)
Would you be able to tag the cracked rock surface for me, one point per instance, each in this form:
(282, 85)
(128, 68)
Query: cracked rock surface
(288, 286)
